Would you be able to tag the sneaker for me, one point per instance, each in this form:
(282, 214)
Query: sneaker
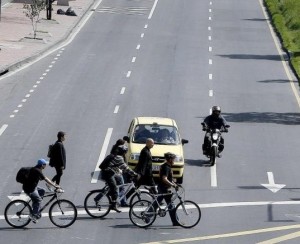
(33, 218)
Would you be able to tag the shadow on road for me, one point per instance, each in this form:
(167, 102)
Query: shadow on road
(252, 56)
(199, 162)
(266, 117)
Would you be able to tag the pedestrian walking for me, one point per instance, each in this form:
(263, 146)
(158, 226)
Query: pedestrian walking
(58, 157)
(144, 166)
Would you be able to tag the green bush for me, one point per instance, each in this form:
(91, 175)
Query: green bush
(285, 16)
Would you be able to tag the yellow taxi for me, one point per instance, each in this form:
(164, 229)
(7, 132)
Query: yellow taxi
(164, 132)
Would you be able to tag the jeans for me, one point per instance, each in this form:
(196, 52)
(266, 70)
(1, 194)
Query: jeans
(36, 197)
(120, 181)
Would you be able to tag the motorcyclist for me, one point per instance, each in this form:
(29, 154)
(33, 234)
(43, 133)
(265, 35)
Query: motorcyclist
(111, 166)
(214, 121)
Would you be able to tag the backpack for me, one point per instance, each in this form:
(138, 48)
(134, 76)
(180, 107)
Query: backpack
(49, 154)
(23, 174)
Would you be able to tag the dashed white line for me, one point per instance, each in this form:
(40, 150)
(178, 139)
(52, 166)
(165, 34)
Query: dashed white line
(210, 76)
(44, 74)
(209, 28)
(3, 128)
(116, 109)
(138, 46)
(41, 78)
(27, 95)
(133, 59)
(211, 93)
(20, 105)
(209, 49)
(209, 38)
(142, 35)
(12, 116)
(16, 111)
(146, 26)
(24, 100)
(31, 91)
(213, 175)
(210, 61)
(210, 10)
(122, 90)
(209, 18)
(128, 74)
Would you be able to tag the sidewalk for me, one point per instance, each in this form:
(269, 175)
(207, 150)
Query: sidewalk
(16, 50)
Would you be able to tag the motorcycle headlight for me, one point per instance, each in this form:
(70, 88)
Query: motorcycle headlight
(215, 136)
(134, 156)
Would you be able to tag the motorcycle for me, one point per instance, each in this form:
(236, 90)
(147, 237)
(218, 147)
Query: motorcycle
(214, 138)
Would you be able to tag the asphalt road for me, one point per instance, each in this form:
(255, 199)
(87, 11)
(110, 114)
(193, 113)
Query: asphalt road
(163, 58)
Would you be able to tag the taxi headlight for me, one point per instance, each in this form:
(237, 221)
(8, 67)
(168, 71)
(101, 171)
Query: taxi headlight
(134, 156)
(178, 158)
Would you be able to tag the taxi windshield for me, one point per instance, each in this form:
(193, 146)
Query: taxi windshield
(161, 134)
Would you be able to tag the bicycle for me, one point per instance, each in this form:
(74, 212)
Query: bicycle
(143, 212)
(62, 213)
(98, 202)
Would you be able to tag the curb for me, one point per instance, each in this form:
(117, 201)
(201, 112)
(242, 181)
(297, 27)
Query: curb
(18, 64)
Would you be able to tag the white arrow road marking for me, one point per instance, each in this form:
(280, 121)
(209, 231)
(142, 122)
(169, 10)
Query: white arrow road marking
(272, 186)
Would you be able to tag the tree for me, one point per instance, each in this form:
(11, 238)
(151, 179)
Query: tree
(32, 11)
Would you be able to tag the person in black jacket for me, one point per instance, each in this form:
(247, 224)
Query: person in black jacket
(58, 157)
(144, 165)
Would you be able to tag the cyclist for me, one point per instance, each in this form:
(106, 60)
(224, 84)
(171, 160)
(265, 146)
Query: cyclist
(31, 188)
(165, 183)
(111, 166)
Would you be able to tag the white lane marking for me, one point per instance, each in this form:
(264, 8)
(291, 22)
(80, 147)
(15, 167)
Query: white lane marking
(146, 26)
(122, 90)
(34, 86)
(55, 58)
(38, 82)
(27, 95)
(209, 38)
(211, 93)
(12, 116)
(210, 10)
(210, 61)
(209, 18)
(53, 62)
(41, 78)
(3, 128)
(128, 74)
(213, 175)
(209, 49)
(138, 46)
(50, 66)
(133, 59)
(24, 100)
(16, 111)
(210, 76)
(116, 109)
(210, 3)
(142, 35)
(102, 155)
(31, 91)
(152, 10)
(209, 28)
(20, 105)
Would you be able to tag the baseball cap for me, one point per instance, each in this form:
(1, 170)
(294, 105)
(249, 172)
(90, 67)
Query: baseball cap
(41, 162)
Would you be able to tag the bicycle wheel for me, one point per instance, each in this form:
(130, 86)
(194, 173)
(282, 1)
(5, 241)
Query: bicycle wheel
(141, 195)
(62, 213)
(142, 213)
(188, 214)
(17, 213)
(97, 209)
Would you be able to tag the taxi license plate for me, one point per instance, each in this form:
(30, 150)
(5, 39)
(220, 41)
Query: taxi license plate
(155, 167)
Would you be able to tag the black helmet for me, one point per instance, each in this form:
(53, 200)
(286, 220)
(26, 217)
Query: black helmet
(170, 155)
(122, 149)
(216, 109)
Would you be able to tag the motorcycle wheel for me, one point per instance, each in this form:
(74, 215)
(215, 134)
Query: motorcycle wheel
(213, 156)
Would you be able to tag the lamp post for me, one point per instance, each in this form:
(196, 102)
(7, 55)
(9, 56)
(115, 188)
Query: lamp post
(49, 9)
